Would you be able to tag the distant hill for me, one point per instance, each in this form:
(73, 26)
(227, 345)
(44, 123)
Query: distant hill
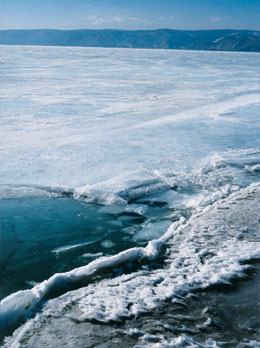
(214, 40)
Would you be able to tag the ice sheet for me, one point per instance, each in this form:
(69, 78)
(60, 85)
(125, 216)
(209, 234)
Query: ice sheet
(100, 120)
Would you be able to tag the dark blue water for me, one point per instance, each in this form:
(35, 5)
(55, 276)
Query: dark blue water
(44, 236)
(32, 228)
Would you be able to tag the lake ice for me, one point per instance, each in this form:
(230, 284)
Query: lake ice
(101, 151)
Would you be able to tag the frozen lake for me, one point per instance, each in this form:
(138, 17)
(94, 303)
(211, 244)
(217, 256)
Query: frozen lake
(102, 150)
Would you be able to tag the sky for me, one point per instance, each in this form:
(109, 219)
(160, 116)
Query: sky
(130, 14)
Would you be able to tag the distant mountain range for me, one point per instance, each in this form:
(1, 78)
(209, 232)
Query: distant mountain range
(213, 40)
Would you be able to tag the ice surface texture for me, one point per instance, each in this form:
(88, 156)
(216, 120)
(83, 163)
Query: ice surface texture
(98, 121)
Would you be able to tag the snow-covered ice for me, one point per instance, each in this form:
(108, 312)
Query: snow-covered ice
(146, 161)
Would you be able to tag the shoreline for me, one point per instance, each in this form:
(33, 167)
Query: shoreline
(223, 313)
(205, 310)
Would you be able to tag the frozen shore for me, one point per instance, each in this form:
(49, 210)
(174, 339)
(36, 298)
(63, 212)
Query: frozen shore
(162, 311)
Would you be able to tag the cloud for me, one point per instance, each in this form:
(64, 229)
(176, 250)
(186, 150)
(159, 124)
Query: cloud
(110, 20)
(216, 19)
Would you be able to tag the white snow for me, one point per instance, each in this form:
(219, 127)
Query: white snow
(99, 122)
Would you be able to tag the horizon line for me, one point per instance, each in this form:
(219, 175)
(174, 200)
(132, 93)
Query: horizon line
(111, 29)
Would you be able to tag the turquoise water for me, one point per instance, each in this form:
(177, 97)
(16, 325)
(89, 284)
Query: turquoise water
(33, 228)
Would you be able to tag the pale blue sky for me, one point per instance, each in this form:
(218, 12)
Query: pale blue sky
(131, 14)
